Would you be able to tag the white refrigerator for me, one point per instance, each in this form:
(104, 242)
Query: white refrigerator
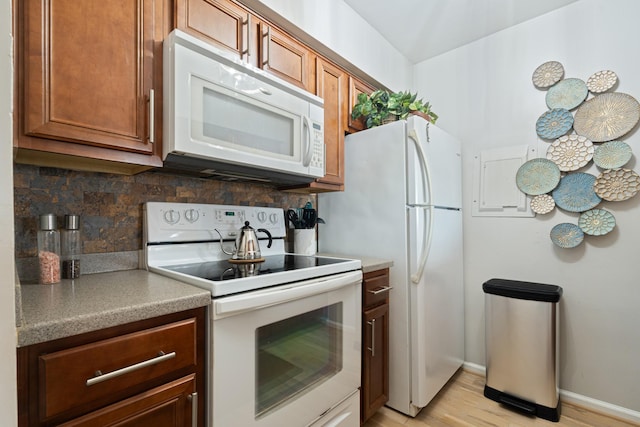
(402, 202)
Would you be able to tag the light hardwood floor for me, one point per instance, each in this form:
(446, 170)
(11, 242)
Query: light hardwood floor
(461, 403)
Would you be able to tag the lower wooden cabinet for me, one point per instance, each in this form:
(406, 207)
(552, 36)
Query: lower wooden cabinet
(149, 372)
(375, 342)
(173, 404)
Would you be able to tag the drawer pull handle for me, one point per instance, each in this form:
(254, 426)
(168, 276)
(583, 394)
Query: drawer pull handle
(100, 377)
(380, 290)
(372, 349)
(193, 397)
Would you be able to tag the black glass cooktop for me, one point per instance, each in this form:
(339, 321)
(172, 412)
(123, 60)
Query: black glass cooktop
(224, 270)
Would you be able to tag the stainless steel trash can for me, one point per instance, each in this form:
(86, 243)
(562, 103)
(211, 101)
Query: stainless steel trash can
(521, 338)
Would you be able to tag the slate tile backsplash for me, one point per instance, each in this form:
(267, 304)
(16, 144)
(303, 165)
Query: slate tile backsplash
(110, 205)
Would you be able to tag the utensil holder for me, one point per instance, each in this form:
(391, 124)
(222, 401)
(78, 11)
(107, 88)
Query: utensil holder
(304, 241)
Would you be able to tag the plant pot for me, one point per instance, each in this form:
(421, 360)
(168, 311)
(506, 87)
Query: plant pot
(390, 118)
(423, 115)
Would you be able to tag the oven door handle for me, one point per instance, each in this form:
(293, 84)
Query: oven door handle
(255, 300)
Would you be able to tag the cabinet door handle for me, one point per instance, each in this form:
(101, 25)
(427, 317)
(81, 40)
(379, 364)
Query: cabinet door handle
(193, 397)
(152, 124)
(100, 377)
(372, 349)
(247, 51)
(268, 36)
(380, 290)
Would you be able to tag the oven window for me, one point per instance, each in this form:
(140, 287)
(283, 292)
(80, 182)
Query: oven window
(297, 354)
(247, 124)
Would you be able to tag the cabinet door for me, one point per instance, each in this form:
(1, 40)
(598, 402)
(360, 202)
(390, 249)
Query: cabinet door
(375, 360)
(221, 23)
(171, 405)
(286, 58)
(356, 87)
(86, 82)
(332, 88)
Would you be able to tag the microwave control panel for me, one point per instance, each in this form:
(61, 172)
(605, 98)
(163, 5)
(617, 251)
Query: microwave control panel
(317, 145)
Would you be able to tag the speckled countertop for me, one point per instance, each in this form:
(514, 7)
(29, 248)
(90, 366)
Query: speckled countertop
(368, 263)
(98, 301)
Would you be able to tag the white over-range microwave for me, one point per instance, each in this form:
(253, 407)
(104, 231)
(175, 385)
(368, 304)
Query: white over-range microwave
(227, 119)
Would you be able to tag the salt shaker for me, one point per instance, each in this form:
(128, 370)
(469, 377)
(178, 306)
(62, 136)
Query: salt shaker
(71, 247)
(48, 250)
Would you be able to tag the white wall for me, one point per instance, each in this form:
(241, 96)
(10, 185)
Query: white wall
(484, 95)
(337, 26)
(8, 385)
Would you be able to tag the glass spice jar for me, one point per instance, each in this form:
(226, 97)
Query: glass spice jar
(48, 250)
(71, 247)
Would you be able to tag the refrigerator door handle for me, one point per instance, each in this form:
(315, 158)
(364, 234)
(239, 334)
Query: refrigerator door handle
(426, 185)
(425, 175)
(426, 246)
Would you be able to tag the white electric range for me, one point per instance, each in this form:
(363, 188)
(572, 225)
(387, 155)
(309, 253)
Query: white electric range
(285, 334)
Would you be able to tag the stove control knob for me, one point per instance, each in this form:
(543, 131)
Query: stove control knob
(262, 216)
(273, 218)
(191, 215)
(171, 216)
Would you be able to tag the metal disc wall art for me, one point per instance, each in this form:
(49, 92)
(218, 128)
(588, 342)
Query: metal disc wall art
(537, 176)
(575, 192)
(542, 204)
(547, 74)
(596, 222)
(570, 152)
(616, 185)
(554, 181)
(567, 94)
(554, 123)
(566, 235)
(607, 117)
(612, 155)
(601, 81)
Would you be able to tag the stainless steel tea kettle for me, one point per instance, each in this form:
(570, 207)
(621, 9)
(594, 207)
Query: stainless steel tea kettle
(246, 245)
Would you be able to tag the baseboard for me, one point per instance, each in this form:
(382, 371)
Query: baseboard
(600, 406)
(576, 399)
(474, 368)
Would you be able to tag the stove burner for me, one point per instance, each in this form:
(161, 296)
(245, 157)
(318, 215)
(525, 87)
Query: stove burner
(224, 270)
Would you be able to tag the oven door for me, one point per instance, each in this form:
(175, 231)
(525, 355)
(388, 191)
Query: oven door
(286, 355)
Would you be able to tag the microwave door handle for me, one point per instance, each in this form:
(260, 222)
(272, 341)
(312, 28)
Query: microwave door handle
(307, 136)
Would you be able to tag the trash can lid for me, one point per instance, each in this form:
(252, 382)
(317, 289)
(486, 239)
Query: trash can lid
(523, 290)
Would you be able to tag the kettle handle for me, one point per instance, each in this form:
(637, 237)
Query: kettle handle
(268, 234)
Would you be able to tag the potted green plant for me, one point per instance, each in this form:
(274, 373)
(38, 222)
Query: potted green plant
(382, 106)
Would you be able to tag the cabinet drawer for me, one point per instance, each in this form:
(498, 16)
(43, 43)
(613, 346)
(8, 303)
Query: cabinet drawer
(97, 371)
(376, 288)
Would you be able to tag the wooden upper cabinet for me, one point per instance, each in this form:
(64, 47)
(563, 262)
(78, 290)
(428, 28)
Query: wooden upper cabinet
(356, 87)
(332, 88)
(286, 58)
(221, 23)
(89, 79)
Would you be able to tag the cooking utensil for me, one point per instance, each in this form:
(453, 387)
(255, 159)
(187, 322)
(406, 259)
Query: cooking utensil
(294, 219)
(246, 244)
(309, 216)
